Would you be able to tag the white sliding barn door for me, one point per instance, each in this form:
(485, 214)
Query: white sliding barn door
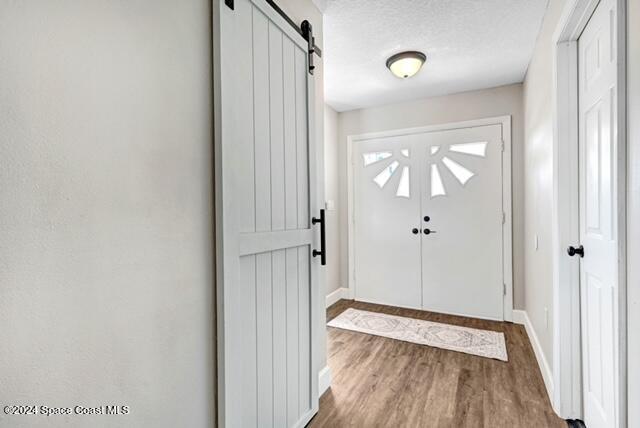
(598, 151)
(265, 195)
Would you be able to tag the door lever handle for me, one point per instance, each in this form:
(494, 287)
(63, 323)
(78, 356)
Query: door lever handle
(572, 251)
(428, 231)
(323, 239)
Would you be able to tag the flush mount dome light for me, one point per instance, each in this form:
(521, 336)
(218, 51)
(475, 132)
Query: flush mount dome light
(406, 64)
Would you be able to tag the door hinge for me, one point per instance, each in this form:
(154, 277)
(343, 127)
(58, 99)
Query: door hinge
(504, 217)
(502, 145)
(504, 289)
(229, 3)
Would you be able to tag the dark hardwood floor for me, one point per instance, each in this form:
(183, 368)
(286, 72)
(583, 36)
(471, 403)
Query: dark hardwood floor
(380, 382)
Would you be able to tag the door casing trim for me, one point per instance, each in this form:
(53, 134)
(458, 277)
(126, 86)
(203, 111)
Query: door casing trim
(507, 227)
(567, 353)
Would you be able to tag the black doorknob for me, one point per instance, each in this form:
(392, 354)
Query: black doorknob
(415, 231)
(427, 218)
(572, 251)
(428, 231)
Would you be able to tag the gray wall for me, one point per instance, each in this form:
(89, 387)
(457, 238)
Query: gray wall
(505, 100)
(105, 213)
(633, 212)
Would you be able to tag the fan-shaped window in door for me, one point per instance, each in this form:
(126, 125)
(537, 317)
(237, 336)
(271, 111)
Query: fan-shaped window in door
(442, 161)
(382, 178)
(437, 188)
(403, 186)
(370, 158)
(461, 173)
(474, 149)
(456, 168)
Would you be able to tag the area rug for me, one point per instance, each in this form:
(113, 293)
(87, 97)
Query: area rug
(472, 341)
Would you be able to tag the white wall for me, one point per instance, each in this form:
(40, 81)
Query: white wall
(633, 212)
(105, 216)
(332, 194)
(538, 186)
(505, 100)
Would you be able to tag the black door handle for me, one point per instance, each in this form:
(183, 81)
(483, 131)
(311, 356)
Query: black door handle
(323, 239)
(572, 251)
(428, 231)
(415, 231)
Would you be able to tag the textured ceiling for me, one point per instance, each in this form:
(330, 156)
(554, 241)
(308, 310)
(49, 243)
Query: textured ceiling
(470, 44)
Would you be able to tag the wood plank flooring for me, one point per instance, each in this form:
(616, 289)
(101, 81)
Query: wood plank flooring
(380, 382)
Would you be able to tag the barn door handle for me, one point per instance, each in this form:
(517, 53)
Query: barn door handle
(323, 239)
(572, 251)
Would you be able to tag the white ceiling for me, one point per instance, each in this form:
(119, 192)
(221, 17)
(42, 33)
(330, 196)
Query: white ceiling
(470, 44)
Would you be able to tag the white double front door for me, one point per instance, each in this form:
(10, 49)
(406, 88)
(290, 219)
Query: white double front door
(428, 221)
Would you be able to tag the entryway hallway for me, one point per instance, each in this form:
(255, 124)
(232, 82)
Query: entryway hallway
(381, 382)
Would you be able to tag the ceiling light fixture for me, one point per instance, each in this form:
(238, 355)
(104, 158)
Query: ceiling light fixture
(406, 64)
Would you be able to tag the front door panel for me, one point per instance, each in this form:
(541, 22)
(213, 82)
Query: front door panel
(462, 200)
(387, 201)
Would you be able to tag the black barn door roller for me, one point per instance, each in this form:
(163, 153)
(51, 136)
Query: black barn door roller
(305, 30)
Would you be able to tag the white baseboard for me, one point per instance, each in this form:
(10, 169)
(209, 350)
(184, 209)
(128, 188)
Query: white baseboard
(324, 380)
(521, 317)
(334, 296)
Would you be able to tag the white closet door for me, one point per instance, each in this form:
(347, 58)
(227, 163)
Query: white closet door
(462, 258)
(598, 216)
(387, 207)
(266, 180)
